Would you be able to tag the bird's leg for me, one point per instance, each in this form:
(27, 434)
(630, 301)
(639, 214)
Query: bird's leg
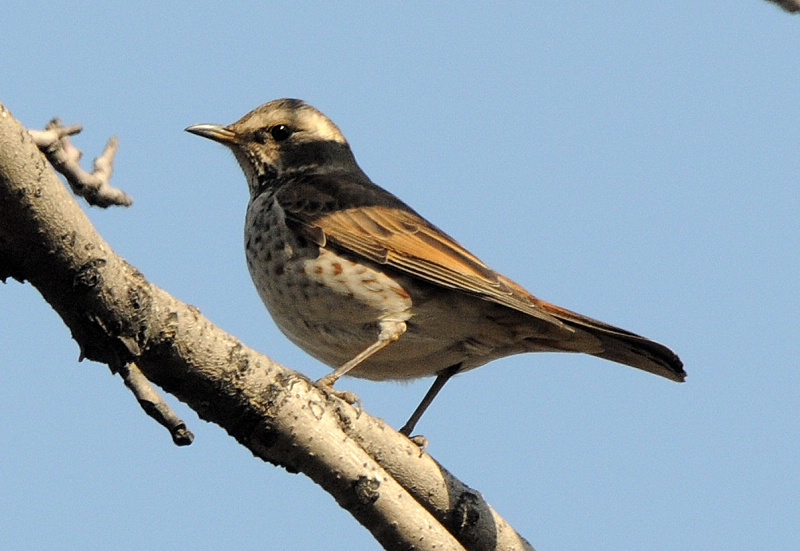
(441, 378)
(390, 332)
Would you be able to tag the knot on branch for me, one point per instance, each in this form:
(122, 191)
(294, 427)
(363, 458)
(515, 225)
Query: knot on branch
(366, 490)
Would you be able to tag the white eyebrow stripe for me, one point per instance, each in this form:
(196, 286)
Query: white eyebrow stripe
(318, 126)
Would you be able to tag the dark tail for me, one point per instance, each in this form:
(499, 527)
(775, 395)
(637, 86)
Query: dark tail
(621, 346)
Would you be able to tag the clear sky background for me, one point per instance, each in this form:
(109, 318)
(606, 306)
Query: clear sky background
(633, 161)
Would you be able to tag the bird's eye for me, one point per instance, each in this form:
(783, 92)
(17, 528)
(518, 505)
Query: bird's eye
(280, 132)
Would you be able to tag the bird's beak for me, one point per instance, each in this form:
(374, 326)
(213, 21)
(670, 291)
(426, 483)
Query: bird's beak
(221, 134)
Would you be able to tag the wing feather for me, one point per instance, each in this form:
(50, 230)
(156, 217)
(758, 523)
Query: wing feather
(405, 241)
(379, 227)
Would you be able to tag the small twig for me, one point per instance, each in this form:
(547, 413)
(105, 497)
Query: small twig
(154, 405)
(93, 186)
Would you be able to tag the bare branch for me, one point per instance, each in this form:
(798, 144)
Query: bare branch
(117, 317)
(54, 142)
(154, 405)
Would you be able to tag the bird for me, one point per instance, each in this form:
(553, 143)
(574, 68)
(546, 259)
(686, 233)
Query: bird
(362, 282)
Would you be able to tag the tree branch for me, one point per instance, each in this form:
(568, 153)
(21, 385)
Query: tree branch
(117, 317)
(154, 405)
(93, 186)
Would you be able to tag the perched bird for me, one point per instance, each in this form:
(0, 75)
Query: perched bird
(362, 282)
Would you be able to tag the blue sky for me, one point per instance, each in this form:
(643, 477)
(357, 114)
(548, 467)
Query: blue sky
(635, 162)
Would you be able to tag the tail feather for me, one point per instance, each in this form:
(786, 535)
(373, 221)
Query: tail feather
(621, 346)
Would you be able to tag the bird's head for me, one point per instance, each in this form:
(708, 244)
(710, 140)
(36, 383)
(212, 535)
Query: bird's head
(278, 138)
